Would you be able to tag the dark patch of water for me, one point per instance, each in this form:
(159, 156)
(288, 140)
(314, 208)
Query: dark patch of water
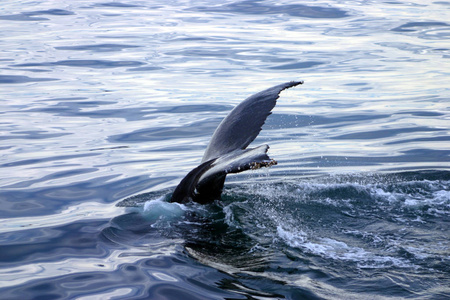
(18, 79)
(261, 8)
(31, 16)
(96, 64)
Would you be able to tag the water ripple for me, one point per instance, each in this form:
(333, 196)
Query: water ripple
(97, 47)
(102, 101)
(31, 16)
(96, 64)
(17, 79)
(259, 8)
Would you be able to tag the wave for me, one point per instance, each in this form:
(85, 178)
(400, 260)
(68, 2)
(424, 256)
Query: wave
(359, 221)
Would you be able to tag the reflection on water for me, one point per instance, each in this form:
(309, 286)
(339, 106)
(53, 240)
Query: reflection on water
(100, 101)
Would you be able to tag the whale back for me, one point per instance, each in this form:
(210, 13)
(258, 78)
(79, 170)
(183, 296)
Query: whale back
(244, 122)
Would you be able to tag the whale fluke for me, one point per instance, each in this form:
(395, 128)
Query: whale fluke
(226, 152)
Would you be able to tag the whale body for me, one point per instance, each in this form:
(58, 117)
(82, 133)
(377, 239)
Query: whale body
(227, 150)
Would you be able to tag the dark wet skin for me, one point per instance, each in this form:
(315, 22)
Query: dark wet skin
(227, 150)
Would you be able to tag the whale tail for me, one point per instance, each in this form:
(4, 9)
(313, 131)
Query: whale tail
(204, 184)
(226, 152)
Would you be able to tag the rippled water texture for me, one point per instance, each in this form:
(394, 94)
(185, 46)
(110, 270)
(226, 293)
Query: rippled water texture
(102, 101)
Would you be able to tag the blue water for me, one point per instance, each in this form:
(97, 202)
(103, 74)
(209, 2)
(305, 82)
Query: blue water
(105, 106)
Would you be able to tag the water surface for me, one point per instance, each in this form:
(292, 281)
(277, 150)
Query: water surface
(102, 101)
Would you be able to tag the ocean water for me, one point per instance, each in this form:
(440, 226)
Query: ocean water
(106, 105)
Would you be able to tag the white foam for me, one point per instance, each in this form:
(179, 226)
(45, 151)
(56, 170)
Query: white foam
(294, 239)
(338, 250)
(229, 216)
(442, 197)
(391, 197)
(161, 209)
